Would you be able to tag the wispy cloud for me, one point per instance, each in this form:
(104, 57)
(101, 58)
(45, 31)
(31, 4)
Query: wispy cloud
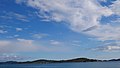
(76, 43)
(3, 31)
(105, 32)
(13, 15)
(39, 35)
(109, 47)
(19, 29)
(54, 42)
(103, 0)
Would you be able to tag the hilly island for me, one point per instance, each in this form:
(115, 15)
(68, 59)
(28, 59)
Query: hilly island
(45, 61)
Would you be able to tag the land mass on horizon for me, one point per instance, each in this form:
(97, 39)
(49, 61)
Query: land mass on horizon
(44, 61)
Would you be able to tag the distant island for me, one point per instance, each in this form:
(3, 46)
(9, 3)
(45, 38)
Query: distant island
(44, 61)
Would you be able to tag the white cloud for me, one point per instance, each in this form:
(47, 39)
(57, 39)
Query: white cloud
(25, 42)
(39, 35)
(16, 35)
(105, 32)
(116, 7)
(13, 15)
(13, 36)
(19, 29)
(103, 0)
(82, 16)
(3, 31)
(18, 15)
(54, 42)
(74, 44)
(109, 47)
(76, 41)
(116, 21)
(21, 17)
(18, 1)
(5, 17)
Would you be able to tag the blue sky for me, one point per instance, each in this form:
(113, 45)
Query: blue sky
(58, 29)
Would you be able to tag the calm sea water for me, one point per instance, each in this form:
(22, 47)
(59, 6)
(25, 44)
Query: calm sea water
(65, 65)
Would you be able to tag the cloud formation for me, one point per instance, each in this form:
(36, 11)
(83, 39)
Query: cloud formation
(81, 15)
(116, 7)
(13, 15)
(111, 47)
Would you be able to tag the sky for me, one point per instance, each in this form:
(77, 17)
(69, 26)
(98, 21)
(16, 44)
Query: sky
(59, 29)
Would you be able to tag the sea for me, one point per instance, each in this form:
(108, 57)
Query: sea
(65, 65)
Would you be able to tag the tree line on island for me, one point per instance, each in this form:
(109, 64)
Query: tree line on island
(44, 61)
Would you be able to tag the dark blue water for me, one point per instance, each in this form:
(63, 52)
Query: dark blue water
(65, 65)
